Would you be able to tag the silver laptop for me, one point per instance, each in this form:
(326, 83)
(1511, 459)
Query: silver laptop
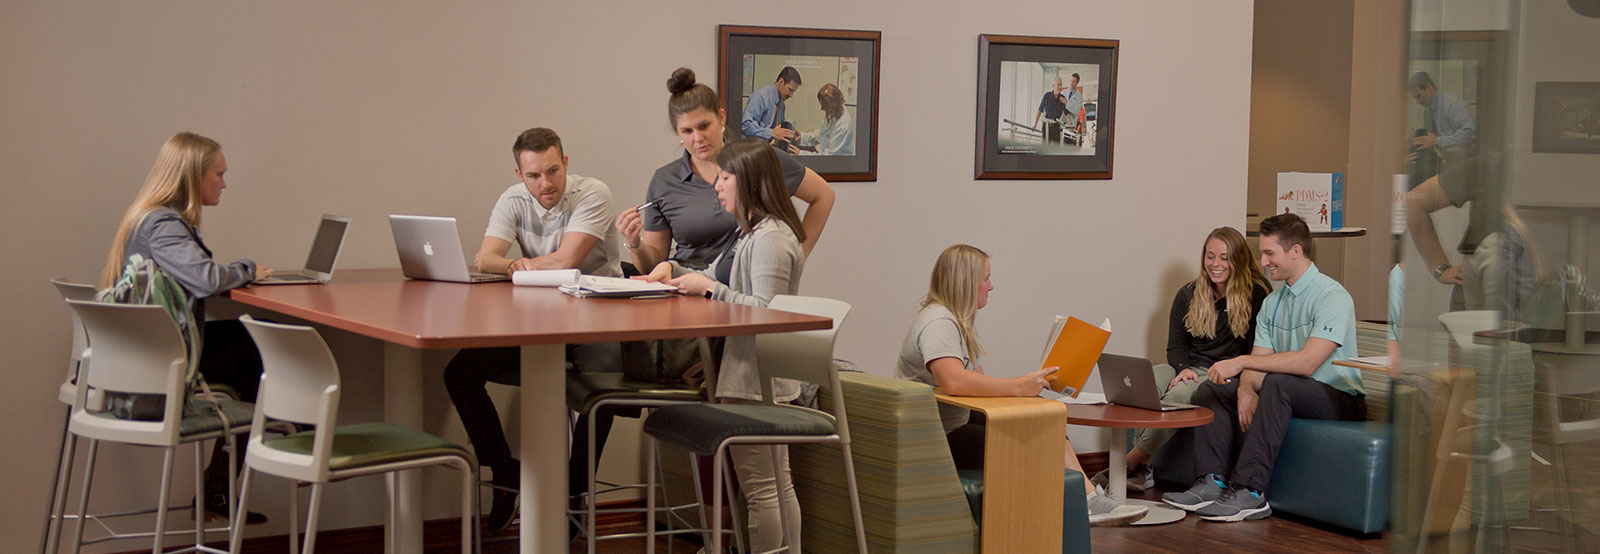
(1131, 381)
(324, 254)
(430, 248)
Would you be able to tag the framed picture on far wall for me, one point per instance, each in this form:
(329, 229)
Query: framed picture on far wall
(810, 92)
(1046, 107)
(1566, 118)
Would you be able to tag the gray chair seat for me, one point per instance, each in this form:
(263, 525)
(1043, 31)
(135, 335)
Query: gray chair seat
(370, 444)
(586, 389)
(701, 427)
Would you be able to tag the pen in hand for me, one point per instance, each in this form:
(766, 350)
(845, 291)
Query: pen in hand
(641, 207)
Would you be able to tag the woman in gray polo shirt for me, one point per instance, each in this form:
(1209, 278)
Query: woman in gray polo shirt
(765, 260)
(681, 207)
(942, 350)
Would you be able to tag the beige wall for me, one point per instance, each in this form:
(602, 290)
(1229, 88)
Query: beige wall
(369, 108)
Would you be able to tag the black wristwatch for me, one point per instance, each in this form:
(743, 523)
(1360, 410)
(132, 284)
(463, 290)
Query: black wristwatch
(1439, 271)
(708, 294)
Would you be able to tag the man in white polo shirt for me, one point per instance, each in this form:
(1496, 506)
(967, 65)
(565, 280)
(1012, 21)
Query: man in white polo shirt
(1302, 328)
(557, 221)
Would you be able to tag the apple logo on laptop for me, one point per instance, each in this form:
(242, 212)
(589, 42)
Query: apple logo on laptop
(1127, 381)
(427, 248)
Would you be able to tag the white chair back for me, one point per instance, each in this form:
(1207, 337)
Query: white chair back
(801, 355)
(137, 349)
(80, 340)
(299, 384)
(302, 373)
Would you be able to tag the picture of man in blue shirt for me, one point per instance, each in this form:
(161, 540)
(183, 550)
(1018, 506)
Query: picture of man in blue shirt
(1051, 106)
(764, 112)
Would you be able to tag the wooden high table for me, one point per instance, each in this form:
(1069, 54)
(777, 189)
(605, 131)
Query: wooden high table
(411, 315)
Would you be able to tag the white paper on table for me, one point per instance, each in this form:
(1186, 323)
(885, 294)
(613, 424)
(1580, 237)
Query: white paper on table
(544, 277)
(1084, 399)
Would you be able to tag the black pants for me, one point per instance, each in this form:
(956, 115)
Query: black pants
(228, 357)
(1283, 397)
(966, 443)
(472, 368)
(1052, 132)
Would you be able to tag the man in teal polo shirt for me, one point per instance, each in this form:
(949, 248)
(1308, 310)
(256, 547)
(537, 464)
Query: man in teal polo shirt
(1302, 328)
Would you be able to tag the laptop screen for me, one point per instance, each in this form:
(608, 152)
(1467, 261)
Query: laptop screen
(325, 248)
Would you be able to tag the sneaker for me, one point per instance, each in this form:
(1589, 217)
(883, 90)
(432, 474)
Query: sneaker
(1205, 491)
(216, 506)
(1140, 478)
(504, 511)
(506, 501)
(1236, 504)
(1105, 511)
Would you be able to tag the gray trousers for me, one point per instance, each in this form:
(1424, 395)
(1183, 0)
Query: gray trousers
(1283, 396)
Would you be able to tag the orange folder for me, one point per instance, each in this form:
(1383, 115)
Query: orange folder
(1074, 347)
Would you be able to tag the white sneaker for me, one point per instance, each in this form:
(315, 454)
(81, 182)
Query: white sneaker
(1105, 511)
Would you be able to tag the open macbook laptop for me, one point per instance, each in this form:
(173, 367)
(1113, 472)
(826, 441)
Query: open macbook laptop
(324, 253)
(1131, 381)
(430, 248)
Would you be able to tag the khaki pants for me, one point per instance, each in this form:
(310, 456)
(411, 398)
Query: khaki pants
(1150, 440)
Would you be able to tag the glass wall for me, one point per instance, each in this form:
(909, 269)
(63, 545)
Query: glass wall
(1496, 354)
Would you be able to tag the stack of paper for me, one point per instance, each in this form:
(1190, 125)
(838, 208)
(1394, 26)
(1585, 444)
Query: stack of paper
(615, 287)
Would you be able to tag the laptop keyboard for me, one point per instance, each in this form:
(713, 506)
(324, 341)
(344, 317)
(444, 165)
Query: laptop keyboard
(292, 277)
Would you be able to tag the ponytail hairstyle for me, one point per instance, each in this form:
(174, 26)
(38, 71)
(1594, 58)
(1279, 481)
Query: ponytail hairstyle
(956, 277)
(173, 182)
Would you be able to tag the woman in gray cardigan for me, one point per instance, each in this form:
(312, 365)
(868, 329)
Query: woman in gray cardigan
(162, 225)
(764, 261)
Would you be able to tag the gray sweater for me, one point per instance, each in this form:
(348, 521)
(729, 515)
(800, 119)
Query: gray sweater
(175, 246)
(767, 262)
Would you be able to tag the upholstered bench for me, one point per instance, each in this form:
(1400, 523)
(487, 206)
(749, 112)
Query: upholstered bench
(912, 497)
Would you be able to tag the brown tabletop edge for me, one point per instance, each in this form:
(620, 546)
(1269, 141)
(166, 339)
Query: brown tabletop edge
(491, 341)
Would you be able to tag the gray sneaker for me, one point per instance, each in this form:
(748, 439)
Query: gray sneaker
(1105, 511)
(1205, 491)
(1236, 504)
(1139, 478)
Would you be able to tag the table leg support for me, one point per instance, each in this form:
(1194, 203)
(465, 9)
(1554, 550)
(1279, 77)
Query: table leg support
(544, 449)
(402, 405)
(1117, 485)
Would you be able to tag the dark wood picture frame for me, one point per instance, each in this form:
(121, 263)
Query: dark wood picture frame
(1025, 150)
(1563, 111)
(737, 49)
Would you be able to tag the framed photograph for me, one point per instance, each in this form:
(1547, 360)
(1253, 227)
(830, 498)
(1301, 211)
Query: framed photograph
(1046, 107)
(812, 92)
(1566, 118)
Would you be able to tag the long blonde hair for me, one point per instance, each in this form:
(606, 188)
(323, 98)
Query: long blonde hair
(956, 277)
(174, 182)
(1244, 276)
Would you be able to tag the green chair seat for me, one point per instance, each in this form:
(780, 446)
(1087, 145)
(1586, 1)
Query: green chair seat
(200, 416)
(702, 427)
(369, 444)
(586, 389)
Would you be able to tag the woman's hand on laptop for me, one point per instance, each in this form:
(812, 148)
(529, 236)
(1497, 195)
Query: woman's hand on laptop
(263, 273)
